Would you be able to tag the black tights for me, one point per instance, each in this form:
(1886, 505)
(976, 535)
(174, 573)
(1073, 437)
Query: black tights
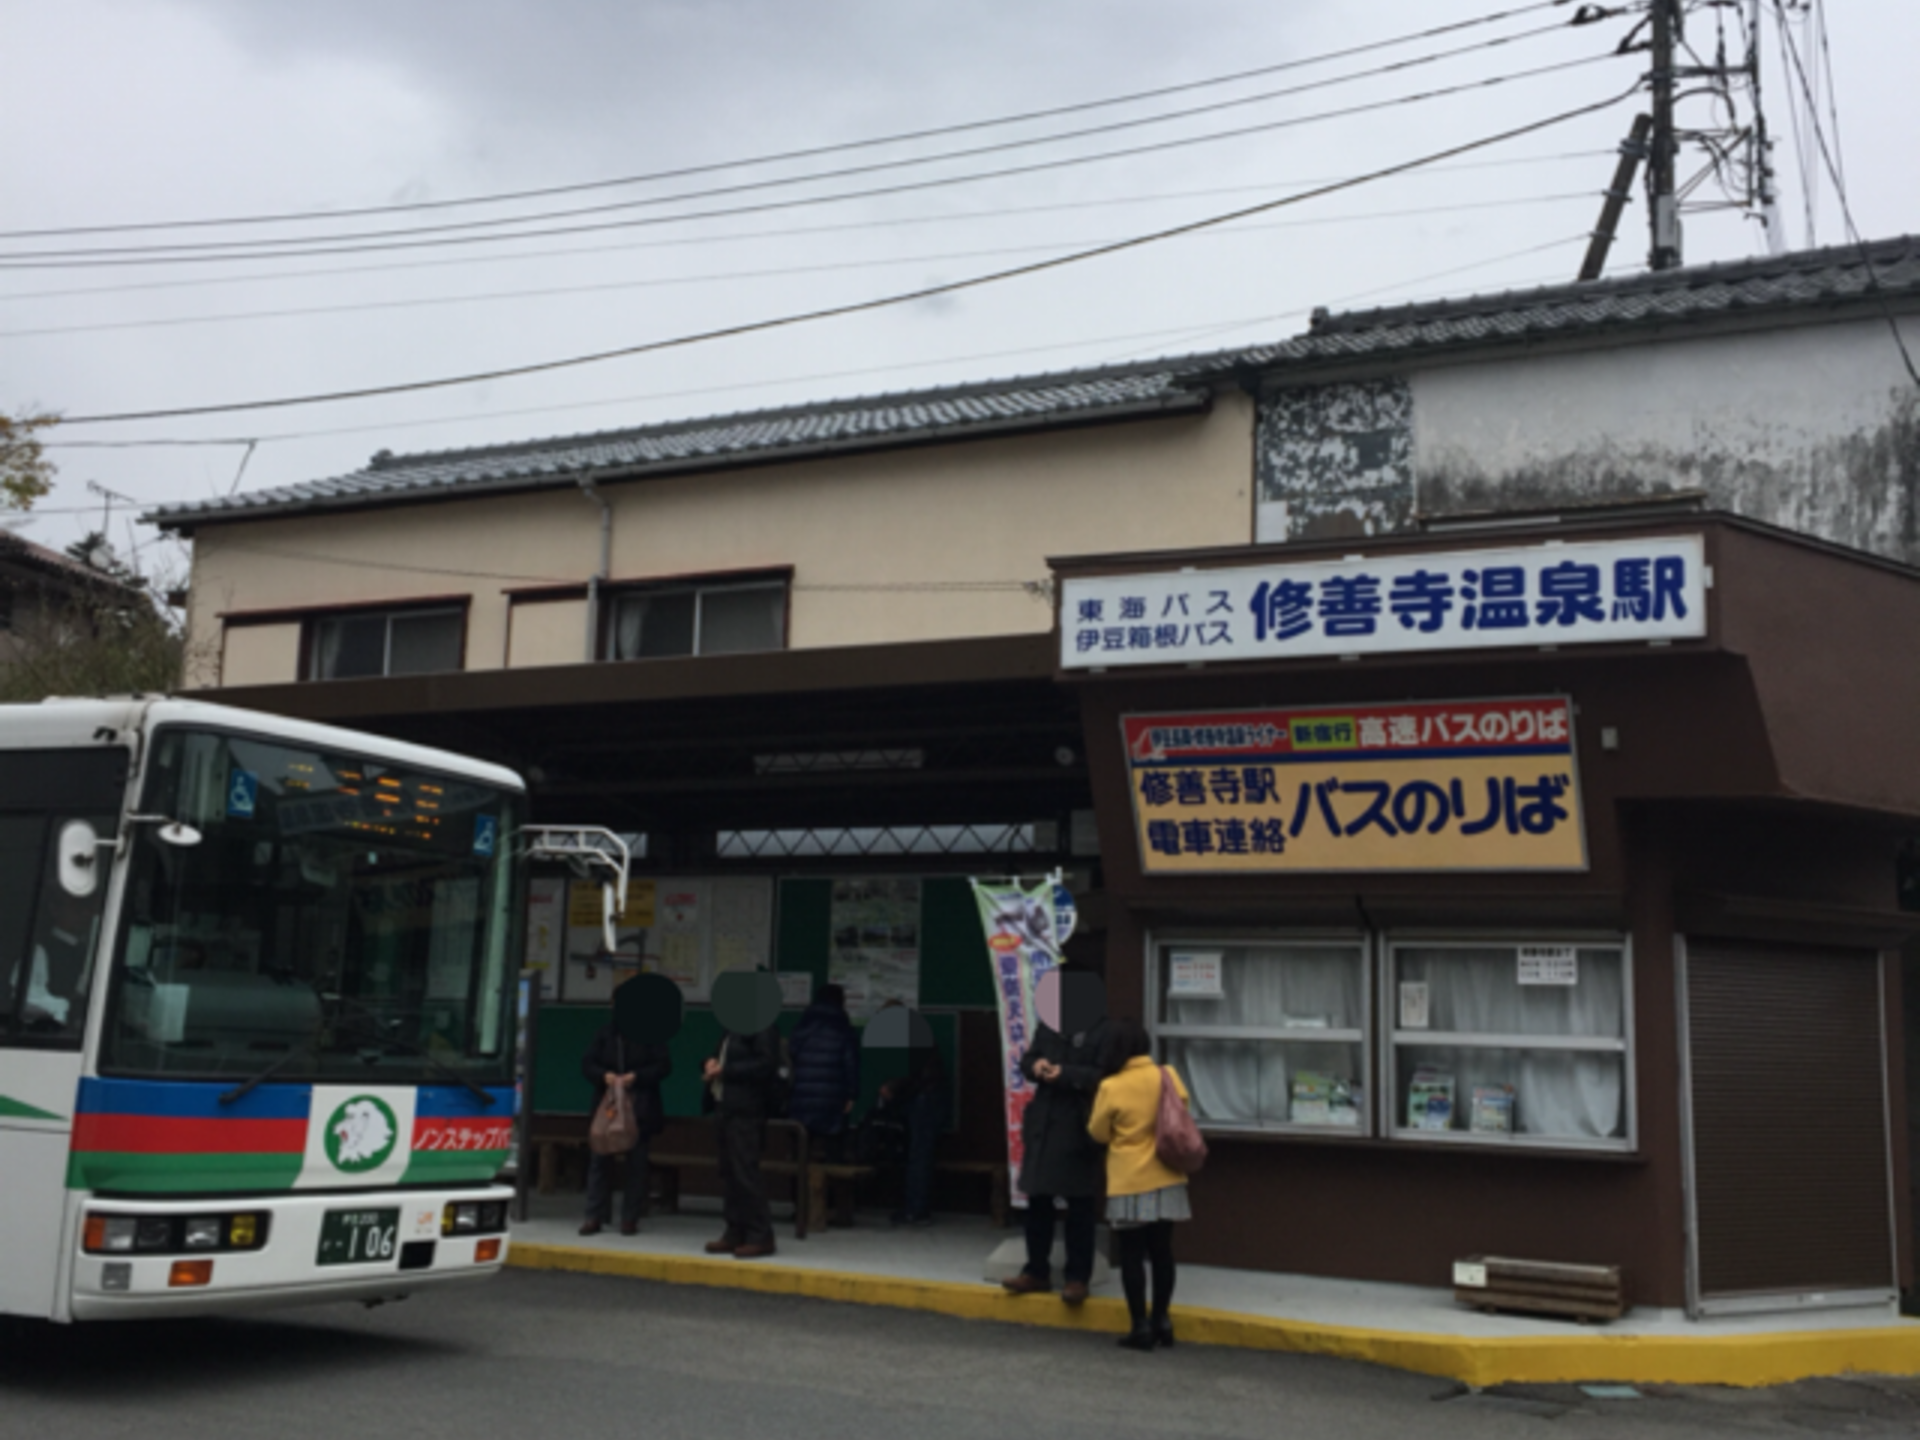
(1137, 1245)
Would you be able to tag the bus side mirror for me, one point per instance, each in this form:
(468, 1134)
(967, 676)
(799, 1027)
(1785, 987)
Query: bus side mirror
(79, 846)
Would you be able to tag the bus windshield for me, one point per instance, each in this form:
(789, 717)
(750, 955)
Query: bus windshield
(337, 918)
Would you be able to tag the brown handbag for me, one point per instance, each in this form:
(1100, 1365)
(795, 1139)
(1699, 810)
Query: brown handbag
(615, 1130)
(1176, 1139)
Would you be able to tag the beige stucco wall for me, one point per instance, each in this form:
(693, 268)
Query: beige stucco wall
(261, 654)
(544, 633)
(931, 543)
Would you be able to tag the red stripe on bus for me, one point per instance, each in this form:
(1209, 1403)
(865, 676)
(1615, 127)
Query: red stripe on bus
(174, 1135)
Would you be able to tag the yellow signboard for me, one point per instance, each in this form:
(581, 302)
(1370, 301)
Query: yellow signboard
(584, 905)
(1479, 785)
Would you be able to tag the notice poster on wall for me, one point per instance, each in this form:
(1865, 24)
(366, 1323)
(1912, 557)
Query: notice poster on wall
(742, 924)
(591, 968)
(678, 950)
(875, 955)
(546, 932)
(1194, 975)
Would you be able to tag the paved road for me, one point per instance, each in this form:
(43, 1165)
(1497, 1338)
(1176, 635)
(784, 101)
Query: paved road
(567, 1357)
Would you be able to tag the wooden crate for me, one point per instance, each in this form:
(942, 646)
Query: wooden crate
(1540, 1287)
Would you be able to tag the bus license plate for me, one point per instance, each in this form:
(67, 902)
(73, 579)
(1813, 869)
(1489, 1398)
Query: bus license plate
(358, 1237)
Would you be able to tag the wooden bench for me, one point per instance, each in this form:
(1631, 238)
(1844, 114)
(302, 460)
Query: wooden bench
(831, 1178)
(667, 1166)
(998, 1188)
(830, 1181)
(1540, 1287)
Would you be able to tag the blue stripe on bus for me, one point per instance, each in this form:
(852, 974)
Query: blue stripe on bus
(193, 1100)
(455, 1102)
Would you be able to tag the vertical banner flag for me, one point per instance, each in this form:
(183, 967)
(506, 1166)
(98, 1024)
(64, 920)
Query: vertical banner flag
(1025, 925)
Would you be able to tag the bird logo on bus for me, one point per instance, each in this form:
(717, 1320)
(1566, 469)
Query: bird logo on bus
(361, 1134)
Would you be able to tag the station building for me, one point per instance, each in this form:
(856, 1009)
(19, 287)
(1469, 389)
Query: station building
(1481, 737)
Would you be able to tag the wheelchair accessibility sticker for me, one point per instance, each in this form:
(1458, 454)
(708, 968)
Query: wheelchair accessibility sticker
(486, 831)
(243, 792)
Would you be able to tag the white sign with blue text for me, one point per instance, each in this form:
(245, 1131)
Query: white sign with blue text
(1584, 593)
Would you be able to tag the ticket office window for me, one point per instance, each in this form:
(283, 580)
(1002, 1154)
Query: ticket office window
(1269, 1034)
(1516, 1043)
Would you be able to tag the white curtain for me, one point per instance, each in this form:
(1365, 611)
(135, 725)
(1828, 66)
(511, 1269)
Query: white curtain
(629, 623)
(1294, 989)
(1569, 1094)
(327, 645)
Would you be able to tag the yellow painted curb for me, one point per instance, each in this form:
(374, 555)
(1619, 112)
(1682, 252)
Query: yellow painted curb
(1744, 1360)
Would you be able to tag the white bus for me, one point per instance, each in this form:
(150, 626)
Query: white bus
(256, 1040)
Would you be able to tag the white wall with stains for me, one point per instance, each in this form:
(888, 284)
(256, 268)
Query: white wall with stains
(1816, 428)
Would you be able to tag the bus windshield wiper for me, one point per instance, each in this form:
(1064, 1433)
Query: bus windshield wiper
(245, 1087)
(394, 1042)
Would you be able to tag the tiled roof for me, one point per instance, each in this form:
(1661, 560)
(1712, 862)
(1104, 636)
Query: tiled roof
(16, 550)
(1807, 280)
(794, 432)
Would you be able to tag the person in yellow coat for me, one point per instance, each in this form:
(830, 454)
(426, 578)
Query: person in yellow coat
(1144, 1197)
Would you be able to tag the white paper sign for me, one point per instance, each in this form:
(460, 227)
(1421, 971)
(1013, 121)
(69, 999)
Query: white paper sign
(1549, 965)
(1194, 975)
(1585, 593)
(1469, 1275)
(796, 988)
(1413, 1005)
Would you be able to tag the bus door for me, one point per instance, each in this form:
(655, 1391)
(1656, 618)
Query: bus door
(50, 915)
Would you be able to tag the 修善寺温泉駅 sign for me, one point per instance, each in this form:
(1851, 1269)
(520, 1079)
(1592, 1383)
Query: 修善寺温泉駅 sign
(1456, 785)
(1594, 592)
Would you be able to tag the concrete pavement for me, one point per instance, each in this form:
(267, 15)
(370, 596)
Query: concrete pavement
(940, 1269)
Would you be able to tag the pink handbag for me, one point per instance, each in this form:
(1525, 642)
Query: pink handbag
(1177, 1139)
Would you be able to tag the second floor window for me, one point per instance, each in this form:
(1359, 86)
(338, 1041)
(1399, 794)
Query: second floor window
(390, 642)
(723, 619)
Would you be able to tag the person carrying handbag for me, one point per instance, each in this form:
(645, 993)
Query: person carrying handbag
(638, 1068)
(1146, 1193)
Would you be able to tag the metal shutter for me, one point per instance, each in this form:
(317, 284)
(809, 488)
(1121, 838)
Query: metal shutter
(1791, 1171)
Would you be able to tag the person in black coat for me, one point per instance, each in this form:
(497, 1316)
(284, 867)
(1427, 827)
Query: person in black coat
(1060, 1159)
(740, 1079)
(825, 1053)
(614, 1060)
(921, 1096)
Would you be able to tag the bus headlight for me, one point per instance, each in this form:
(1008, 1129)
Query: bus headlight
(473, 1217)
(243, 1231)
(110, 1233)
(153, 1232)
(203, 1233)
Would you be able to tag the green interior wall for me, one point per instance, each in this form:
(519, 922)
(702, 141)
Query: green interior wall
(954, 974)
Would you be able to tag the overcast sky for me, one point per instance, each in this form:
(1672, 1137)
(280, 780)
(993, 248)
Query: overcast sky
(121, 111)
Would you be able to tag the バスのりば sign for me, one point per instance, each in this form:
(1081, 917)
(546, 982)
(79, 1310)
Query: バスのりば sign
(1459, 785)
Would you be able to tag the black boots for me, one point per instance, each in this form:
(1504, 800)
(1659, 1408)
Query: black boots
(1163, 1331)
(1138, 1338)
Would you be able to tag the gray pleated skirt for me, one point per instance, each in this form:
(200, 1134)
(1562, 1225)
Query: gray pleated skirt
(1169, 1202)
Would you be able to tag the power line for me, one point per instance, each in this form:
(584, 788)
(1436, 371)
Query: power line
(499, 223)
(731, 276)
(901, 137)
(1187, 332)
(862, 306)
(762, 207)
(1846, 207)
(787, 232)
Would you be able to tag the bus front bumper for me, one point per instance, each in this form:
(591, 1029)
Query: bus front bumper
(319, 1247)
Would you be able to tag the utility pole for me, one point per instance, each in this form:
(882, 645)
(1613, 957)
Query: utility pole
(1632, 151)
(1662, 203)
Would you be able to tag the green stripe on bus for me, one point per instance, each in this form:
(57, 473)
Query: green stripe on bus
(12, 1109)
(429, 1167)
(180, 1174)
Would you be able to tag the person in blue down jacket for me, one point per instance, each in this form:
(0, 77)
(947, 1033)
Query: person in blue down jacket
(825, 1051)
